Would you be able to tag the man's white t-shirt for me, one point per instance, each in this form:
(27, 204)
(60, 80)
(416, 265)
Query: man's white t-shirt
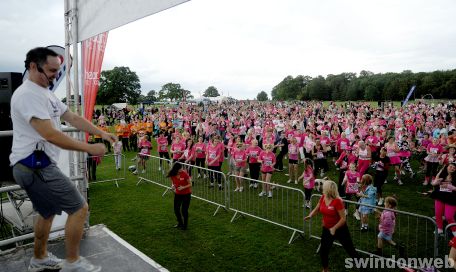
(31, 100)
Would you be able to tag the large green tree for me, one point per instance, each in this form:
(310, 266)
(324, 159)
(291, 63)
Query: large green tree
(119, 85)
(151, 96)
(173, 92)
(262, 96)
(211, 91)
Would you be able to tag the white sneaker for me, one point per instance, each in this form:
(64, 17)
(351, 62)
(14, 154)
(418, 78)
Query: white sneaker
(380, 201)
(143, 171)
(205, 176)
(269, 194)
(237, 189)
(135, 172)
(322, 173)
(81, 265)
(241, 189)
(289, 181)
(346, 212)
(425, 183)
(263, 193)
(296, 182)
(255, 185)
(399, 182)
(251, 185)
(356, 215)
(159, 168)
(199, 175)
(50, 262)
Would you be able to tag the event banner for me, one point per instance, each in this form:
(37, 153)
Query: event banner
(92, 59)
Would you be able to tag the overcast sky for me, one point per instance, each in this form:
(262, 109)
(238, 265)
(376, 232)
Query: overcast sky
(243, 47)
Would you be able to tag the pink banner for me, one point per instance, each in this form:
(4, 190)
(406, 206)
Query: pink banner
(92, 57)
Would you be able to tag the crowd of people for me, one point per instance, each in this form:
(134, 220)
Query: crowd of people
(255, 138)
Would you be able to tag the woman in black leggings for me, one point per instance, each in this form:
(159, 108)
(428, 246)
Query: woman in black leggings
(182, 187)
(334, 223)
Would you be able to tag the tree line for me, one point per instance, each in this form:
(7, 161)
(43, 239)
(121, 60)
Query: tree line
(122, 85)
(367, 86)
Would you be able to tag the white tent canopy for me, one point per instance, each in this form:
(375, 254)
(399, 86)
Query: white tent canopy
(98, 16)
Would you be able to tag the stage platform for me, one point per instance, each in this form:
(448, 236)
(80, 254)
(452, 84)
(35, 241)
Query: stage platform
(100, 245)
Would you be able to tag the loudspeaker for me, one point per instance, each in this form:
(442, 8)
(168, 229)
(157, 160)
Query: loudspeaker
(8, 84)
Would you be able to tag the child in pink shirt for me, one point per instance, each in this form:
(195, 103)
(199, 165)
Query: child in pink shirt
(267, 159)
(308, 180)
(387, 225)
(351, 181)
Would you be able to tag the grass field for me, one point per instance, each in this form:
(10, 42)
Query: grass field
(144, 218)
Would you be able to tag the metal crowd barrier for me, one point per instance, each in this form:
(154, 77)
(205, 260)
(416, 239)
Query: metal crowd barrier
(107, 170)
(285, 208)
(416, 233)
(444, 248)
(157, 168)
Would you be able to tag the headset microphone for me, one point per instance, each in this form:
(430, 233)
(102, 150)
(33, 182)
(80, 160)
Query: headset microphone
(51, 82)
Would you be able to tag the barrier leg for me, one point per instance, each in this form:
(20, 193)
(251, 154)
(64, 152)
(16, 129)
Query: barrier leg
(294, 237)
(235, 216)
(218, 208)
(139, 181)
(164, 193)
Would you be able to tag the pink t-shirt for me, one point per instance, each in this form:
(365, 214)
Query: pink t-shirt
(145, 147)
(293, 151)
(268, 159)
(352, 186)
(212, 152)
(200, 150)
(162, 144)
(308, 174)
(180, 147)
(240, 158)
(253, 153)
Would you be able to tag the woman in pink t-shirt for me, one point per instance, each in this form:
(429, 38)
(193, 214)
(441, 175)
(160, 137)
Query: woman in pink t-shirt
(267, 159)
(177, 148)
(189, 155)
(162, 146)
(434, 150)
(200, 152)
(392, 151)
(213, 154)
(293, 158)
(253, 152)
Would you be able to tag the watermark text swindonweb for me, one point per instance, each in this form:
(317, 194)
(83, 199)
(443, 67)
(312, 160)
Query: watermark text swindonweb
(393, 262)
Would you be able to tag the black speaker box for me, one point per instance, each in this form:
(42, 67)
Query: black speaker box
(8, 84)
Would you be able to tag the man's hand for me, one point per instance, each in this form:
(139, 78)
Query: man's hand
(109, 137)
(96, 149)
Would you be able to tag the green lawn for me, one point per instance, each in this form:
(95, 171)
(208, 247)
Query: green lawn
(144, 218)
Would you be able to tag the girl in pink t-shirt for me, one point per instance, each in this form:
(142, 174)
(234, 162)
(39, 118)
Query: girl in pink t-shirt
(267, 159)
(144, 152)
(239, 157)
(308, 180)
(351, 181)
